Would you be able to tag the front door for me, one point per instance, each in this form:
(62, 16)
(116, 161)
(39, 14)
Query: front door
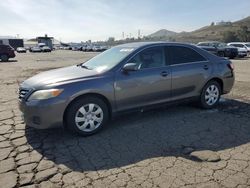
(149, 84)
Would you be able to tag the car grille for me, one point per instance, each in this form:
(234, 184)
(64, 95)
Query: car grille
(23, 93)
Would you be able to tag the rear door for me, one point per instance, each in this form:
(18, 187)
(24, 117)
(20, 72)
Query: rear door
(150, 84)
(190, 70)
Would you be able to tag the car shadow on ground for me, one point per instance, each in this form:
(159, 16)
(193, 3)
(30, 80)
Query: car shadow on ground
(10, 61)
(135, 137)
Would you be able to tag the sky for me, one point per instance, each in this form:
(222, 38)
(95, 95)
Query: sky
(81, 20)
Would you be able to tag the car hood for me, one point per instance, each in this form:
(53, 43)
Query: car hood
(57, 76)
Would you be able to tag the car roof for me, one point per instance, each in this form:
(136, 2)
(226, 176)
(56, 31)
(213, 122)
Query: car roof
(209, 42)
(143, 44)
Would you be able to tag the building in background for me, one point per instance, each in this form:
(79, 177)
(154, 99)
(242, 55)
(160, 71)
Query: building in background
(224, 23)
(48, 41)
(29, 43)
(12, 41)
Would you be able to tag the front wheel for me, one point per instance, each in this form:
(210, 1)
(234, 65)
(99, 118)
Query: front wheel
(210, 95)
(87, 115)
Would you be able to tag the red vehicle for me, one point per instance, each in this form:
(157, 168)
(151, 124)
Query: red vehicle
(6, 52)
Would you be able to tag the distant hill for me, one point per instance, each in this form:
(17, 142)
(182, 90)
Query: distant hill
(212, 32)
(163, 33)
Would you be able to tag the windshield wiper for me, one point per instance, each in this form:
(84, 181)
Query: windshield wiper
(83, 66)
(86, 67)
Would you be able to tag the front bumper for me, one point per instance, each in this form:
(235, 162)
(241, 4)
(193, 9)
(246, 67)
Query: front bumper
(43, 114)
(242, 54)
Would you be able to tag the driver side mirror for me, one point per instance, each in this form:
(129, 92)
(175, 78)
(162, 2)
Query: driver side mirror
(130, 67)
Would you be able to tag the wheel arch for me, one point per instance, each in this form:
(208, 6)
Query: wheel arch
(219, 80)
(97, 95)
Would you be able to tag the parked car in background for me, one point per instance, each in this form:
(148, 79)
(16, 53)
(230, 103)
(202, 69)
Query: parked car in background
(97, 48)
(247, 44)
(46, 49)
(67, 48)
(76, 48)
(210, 49)
(104, 48)
(132, 76)
(6, 52)
(220, 49)
(242, 48)
(27, 48)
(83, 48)
(35, 49)
(21, 50)
(89, 48)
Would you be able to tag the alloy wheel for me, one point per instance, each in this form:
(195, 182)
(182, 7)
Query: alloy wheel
(212, 95)
(89, 117)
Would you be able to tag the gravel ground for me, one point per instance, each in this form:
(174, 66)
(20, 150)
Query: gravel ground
(174, 146)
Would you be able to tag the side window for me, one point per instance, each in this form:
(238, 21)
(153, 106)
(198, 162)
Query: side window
(180, 54)
(149, 58)
(239, 45)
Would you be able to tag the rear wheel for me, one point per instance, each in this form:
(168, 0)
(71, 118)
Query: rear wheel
(87, 115)
(210, 95)
(221, 54)
(4, 58)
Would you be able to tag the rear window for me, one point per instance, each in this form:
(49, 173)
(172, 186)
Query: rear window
(180, 55)
(202, 44)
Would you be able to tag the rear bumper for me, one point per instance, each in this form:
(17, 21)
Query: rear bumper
(48, 114)
(228, 82)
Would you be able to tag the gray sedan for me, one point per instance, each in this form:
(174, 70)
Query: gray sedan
(126, 77)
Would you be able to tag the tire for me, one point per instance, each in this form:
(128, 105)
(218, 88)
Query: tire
(221, 54)
(4, 58)
(208, 101)
(88, 122)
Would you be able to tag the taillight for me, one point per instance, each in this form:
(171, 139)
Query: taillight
(230, 66)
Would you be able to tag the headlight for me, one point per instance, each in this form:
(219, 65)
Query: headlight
(45, 94)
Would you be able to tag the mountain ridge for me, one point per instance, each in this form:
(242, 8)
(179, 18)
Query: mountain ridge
(209, 32)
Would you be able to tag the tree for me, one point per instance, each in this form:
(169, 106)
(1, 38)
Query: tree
(243, 34)
(229, 36)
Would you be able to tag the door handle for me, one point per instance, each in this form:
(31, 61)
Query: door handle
(164, 73)
(205, 67)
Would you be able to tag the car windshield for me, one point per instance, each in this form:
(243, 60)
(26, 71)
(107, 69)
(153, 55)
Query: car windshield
(108, 59)
(248, 45)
